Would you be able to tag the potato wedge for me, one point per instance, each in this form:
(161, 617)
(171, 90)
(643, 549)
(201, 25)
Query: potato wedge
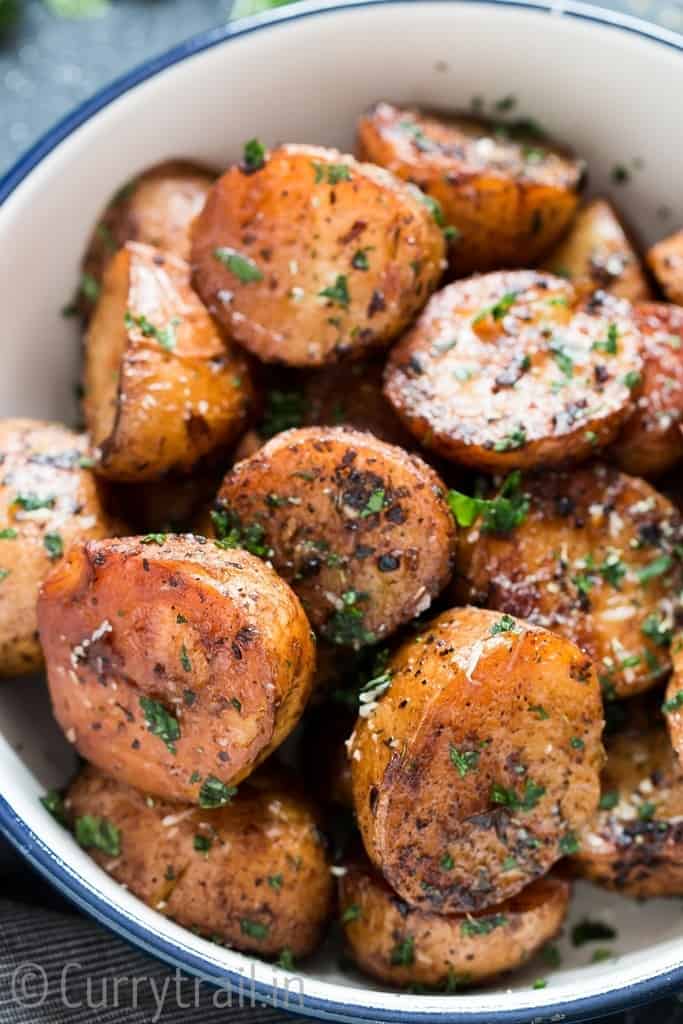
(49, 498)
(162, 387)
(635, 842)
(155, 208)
(360, 529)
(173, 665)
(314, 256)
(509, 196)
(505, 371)
(595, 559)
(665, 260)
(403, 945)
(474, 770)
(252, 874)
(650, 442)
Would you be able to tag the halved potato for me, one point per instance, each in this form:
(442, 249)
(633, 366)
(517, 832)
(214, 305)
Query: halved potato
(474, 770)
(173, 665)
(403, 945)
(360, 529)
(666, 263)
(596, 558)
(162, 387)
(507, 370)
(314, 255)
(651, 442)
(49, 498)
(597, 254)
(252, 874)
(508, 194)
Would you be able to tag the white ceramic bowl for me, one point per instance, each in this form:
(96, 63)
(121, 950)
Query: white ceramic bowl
(610, 86)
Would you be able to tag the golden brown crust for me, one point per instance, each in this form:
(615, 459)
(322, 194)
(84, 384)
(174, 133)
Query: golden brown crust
(252, 874)
(318, 256)
(48, 499)
(138, 631)
(360, 529)
(162, 387)
(402, 945)
(673, 698)
(503, 718)
(666, 263)
(595, 560)
(509, 199)
(505, 371)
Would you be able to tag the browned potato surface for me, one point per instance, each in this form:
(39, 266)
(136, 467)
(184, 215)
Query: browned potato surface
(173, 665)
(635, 842)
(252, 874)
(314, 255)
(509, 198)
(402, 945)
(651, 441)
(597, 254)
(673, 702)
(475, 769)
(360, 529)
(162, 387)
(505, 371)
(666, 262)
(48, 499)
(156, 208)
(596, 559)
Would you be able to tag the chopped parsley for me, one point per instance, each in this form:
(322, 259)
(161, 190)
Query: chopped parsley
(254, 156)
(609, 345)
(231, 533)
(564, 361)
(403, 953)
(166, 336)
(655, 629)
(646, 810)
(202, 843)
(53, 802)
(284, 410)
(674, 703)
(540, 983)
(351, 913)
(497, 310)
(551, 956)
(609, 800)
(360, 260)
(243, 267)
(275, 881)
(338, 292)
(8, 534)
(254, 929)
(500, 515)
(54, 545)
(569, 844)
(506, 624)
(656, 568)
(93, 831)
(632, 379)
(215, 793)
(30, 502)
(482, 925)
(447, 862)
(465, 761)
(286, 960)
(509, 798)
(540, 712)
(160, 722)
(591, 931)
(153, 538)
(576, 743)
(515, 439)
(332, 174)
(375, 503)
(346, 626)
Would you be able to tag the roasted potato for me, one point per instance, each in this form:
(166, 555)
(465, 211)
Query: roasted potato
(474, 770)
(595, 557)
(403, 945)
(635, 842)
(48, 498)
(651, 441)
(156, 208)
(509, 197)
(673, 703)
(313, 255)
(666, 262)
(360, 529)
(506, 371)
(162, 387)
(597, 254)
(252, 874)
(173, 665)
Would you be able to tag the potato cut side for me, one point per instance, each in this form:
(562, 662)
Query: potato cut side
(507, 196)
(314, 255)
(475, 769)
(666, 262)
(506, 370)
(163, 388)
(173, 665)
(251, 873)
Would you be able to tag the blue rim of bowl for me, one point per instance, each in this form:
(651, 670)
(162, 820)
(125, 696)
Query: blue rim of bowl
(44, 860)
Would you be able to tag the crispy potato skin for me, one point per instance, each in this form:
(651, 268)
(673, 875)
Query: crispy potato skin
(508, 724)
(440, 950)
(265, 865)
(45, 461)
(597, 254)
(156, 208)
(508, 210)
(636, 845)
(505, 371)
(673, 701)
(665, 259)
(215, 637)
(573, 566)
(303, 236)
(651, 442)
(154, 406)
(313, 492)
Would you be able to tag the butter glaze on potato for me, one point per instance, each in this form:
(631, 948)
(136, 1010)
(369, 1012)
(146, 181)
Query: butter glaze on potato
(172, 662)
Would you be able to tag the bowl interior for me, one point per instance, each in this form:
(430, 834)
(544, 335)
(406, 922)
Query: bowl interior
(305, 78)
